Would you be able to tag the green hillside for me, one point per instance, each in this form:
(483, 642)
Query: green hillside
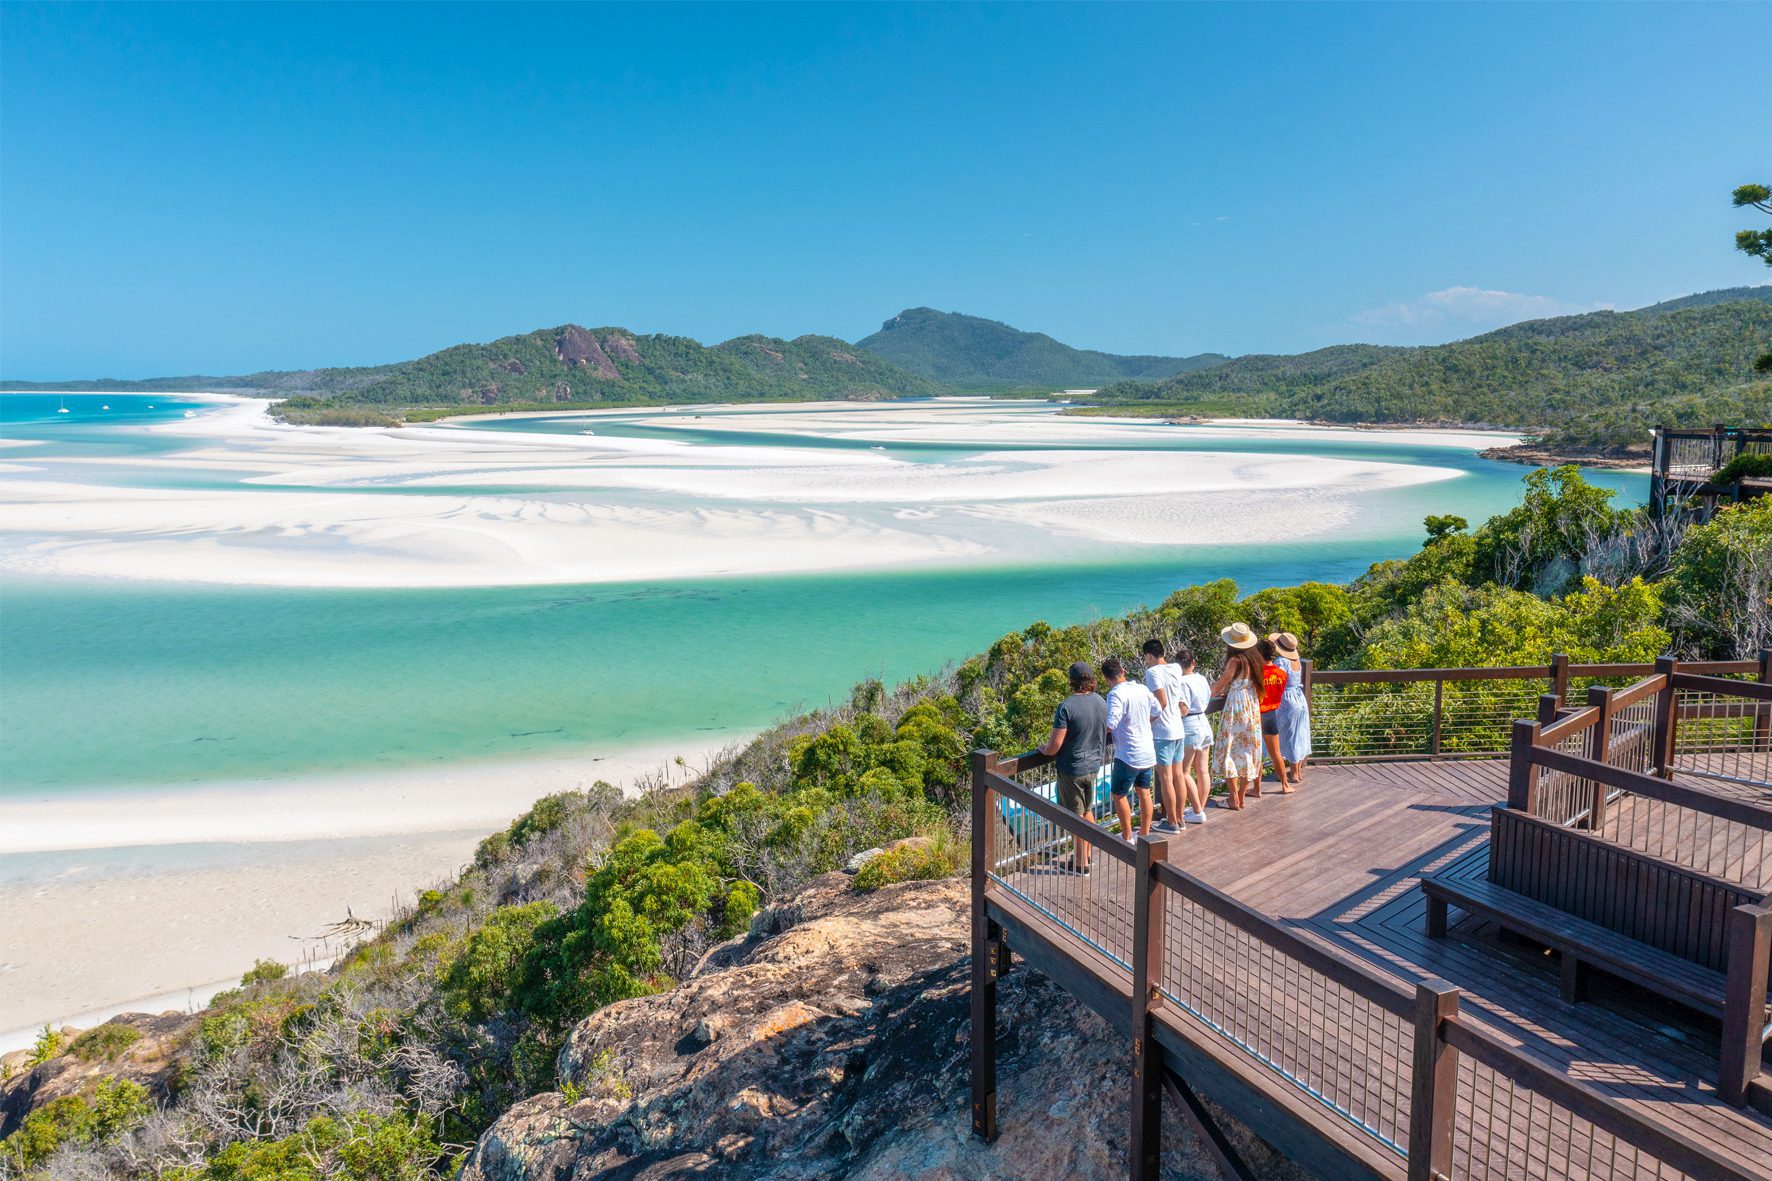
(973, 353)
(1596, 380)
(574, 366)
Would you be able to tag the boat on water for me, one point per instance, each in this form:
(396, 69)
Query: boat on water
(62, 408)
(587, 432)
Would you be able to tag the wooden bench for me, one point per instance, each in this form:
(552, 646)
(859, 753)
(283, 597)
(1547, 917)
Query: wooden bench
(1741, 1003)
(1581, 943)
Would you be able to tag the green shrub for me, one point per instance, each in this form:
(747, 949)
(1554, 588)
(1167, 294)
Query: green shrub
(1744, 466)
(925, 860)
(47, 1045)
(478, 981)
(116, 1106)
(263, 972)
(363, 1148)
(104, 1042)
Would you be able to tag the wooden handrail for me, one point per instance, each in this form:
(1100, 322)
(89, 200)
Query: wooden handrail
(1752, 690)
(1069, 821)
(1398, 676)
(1631, 694)
(1567, 726)
(1526, 1068)
(1723, 807)
(1352, 975)
(1719, 667)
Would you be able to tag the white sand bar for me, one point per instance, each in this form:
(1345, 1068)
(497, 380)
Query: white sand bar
(253, 502)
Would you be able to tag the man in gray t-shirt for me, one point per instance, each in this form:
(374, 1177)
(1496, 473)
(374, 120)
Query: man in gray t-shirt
(1079, 742)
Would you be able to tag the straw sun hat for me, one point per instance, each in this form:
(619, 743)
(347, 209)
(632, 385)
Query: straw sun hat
(1285, 641)
(1238, 635)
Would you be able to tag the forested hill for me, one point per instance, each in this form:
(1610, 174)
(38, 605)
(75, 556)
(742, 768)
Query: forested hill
(973, 353)
(1598, 380)
(570, 366)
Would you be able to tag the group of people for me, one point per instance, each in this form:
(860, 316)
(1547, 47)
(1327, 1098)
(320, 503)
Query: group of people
(1163, 746)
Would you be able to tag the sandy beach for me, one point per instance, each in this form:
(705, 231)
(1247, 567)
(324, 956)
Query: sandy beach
(117, 900)
(450, 506)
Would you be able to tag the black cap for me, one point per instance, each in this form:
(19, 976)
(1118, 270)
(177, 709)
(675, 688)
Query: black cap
(1081, 671)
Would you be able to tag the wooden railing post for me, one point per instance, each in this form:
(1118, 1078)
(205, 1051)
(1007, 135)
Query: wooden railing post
(1439, 715)
(1599, 749)
(1559, 675)
(1147, 967)
(1747, 934)
(1433, 1092)
(1658, 476)
(1666, 717)
(1763, 710)
(1549, 706)
(1519, 766)
(987, 940)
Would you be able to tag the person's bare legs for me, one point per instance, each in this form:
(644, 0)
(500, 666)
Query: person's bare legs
(1167, 774)
(1272, 742)
(1298, 773)
(1199, 782)
(1184, 787)
(1123, 809)
(1144, 811)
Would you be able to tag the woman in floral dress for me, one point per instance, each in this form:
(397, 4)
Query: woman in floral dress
(1236, 751)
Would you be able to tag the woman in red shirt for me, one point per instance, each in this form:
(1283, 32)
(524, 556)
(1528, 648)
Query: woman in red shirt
(1273, 687)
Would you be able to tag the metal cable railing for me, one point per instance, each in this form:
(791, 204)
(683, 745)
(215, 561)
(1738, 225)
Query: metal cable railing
(1343, 1048)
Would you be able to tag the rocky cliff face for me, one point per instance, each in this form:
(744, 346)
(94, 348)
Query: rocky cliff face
(832, 1042)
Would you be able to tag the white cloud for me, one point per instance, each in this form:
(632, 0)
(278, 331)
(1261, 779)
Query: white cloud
(1465, 308)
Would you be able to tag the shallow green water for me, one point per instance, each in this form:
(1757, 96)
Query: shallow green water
(128, 684)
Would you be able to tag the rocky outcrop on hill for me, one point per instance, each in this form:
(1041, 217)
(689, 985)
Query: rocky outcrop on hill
(141, 1047)
(581, 350)
(832, 1042)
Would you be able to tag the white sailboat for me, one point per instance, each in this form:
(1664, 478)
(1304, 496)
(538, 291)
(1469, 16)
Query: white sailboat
(62, 406)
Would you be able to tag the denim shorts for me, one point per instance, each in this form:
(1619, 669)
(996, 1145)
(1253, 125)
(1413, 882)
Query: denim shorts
(1198, 730)
(1168, 751)
(1126, 777)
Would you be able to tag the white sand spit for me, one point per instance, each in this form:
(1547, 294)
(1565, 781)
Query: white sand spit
(253, 502)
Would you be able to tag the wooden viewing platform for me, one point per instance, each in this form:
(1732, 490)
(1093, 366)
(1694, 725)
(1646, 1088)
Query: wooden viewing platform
(1280, 959)
(1683, 462)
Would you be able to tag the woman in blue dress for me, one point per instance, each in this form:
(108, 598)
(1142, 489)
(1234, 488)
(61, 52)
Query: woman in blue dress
(1294, 712)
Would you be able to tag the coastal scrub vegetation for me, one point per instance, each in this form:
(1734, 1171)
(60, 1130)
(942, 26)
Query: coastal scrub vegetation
(393, 1062)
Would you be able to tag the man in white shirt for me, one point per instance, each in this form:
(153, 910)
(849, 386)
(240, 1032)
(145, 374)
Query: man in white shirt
(1131, 707)
(1167, 732)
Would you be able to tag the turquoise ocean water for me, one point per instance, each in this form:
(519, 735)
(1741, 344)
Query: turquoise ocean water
(114, 685)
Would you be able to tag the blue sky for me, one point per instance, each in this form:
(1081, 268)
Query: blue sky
(227, 188)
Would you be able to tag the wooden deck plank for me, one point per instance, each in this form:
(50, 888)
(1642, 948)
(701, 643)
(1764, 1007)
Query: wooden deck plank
(1339, 862)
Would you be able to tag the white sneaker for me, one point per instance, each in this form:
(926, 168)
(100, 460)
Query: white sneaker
(1190, 816)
